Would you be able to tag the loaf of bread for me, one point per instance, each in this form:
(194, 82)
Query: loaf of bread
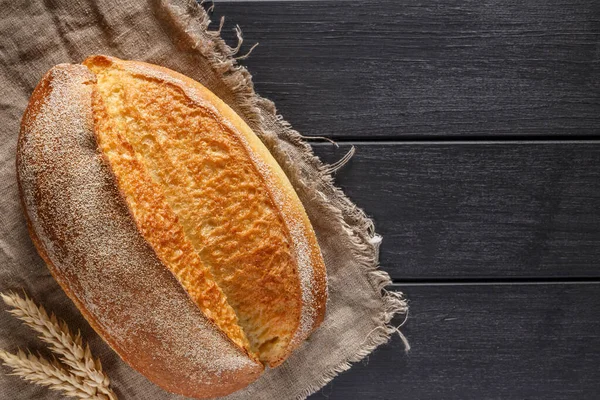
(169, 224)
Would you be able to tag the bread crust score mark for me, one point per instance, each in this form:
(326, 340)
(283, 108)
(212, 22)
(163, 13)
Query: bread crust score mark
(135, 256)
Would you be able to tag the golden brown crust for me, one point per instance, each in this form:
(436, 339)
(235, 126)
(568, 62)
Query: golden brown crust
(107, 259)
(308, 260)
(84, 232)
(159, 226)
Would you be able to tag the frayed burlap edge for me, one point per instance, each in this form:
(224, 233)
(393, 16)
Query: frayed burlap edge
(192, 22)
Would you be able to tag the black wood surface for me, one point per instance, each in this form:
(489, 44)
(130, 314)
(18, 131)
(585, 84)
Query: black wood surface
(425, 68)
(520, 342)
(479, 210)
(439, 98)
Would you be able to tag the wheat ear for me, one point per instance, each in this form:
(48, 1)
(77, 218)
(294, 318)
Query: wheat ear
(41, 371)
(63, 342)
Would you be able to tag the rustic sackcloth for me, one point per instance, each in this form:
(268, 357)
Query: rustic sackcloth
(36, 35)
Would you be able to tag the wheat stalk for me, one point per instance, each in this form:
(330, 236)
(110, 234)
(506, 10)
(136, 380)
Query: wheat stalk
(82, 368)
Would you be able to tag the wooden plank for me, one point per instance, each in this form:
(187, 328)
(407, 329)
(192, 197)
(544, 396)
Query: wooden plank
(476, 210)
(486, 342)
(426, 68)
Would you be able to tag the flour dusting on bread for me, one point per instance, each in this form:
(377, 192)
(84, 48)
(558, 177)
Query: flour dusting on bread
(169, 224)
(93, 248)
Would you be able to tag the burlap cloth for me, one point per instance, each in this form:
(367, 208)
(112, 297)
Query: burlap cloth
(36, 35)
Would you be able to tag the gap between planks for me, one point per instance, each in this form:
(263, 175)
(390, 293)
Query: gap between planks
(316, 141)
(398, 283)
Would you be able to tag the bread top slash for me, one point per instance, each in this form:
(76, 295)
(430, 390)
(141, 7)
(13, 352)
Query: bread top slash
(231, 200)
(168, 223)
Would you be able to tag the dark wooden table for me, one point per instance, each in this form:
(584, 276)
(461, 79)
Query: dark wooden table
(476, 126)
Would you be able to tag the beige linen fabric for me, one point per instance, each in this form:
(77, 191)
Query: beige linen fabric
(36, 35)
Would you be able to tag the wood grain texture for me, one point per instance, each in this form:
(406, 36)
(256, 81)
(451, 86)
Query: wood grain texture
(386, 69)
(477, 210)
(458, 211)
(486, 342)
